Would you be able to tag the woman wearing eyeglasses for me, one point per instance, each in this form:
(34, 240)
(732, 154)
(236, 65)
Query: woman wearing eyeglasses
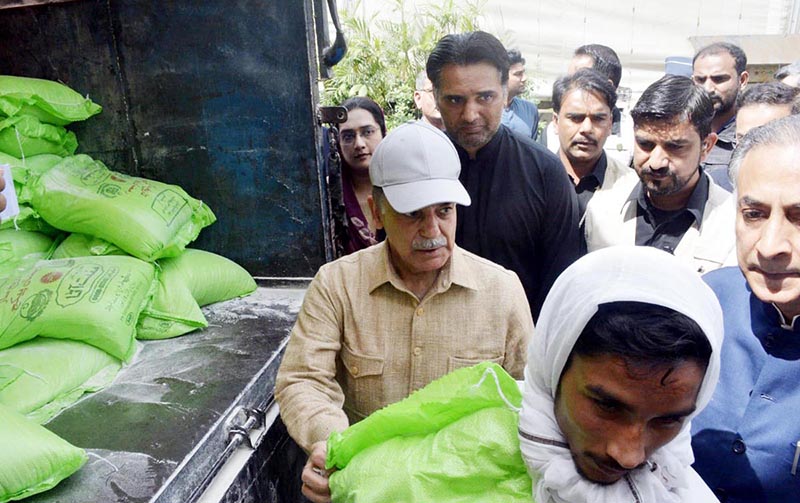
(358, 137)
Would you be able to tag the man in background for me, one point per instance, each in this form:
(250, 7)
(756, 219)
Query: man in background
(761, 103)
(602, 59)
(520, 115)
(789, 74)
(423, 99)
(582, 104)
(599, 57)
(721, 69)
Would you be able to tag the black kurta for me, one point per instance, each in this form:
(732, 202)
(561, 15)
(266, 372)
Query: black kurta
(524, 213)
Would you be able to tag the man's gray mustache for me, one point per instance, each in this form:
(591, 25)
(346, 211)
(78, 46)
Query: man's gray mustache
(429, 244)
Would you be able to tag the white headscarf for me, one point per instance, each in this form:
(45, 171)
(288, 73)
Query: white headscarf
(624, 273)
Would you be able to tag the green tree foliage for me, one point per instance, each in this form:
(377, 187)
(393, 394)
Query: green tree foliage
(385, 55)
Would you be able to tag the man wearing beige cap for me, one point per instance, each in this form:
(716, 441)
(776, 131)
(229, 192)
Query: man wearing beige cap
(381, 323)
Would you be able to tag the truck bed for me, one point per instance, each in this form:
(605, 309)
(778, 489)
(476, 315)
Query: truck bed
(163, 427)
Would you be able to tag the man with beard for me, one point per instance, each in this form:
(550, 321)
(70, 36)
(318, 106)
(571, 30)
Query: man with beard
(582, 106)
(520, 115)
(524, 212)
(721, 68)
(672, 204)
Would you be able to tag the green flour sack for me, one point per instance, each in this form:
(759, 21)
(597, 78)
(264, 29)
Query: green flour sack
(195, 278)
(145, 218)
(25, 136)
(40, 377)
(23, 170)
(82, 245)
(32, 459)
(453, 441)
(96, 300)
(16, 245)
(50, 102)
(29, 220)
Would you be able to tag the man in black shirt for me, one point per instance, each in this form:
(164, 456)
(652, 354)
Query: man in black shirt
(524, 212)
(672, 204)
(582, 106)
(721, 69)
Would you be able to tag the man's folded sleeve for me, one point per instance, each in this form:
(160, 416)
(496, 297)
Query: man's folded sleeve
(306, 389)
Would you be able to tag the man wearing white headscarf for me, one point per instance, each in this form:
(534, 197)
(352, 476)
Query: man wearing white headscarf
(626, 353)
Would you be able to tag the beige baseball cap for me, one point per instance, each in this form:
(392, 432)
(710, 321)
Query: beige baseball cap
(416, 165)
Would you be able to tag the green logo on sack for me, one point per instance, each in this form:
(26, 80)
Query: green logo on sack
(109, 190)
(35, 305)
(76, 284)
(168, 204)
(94, 176)
(100, 287)
(51, 277)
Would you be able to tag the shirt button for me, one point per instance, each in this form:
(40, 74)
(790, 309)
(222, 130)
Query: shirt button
(354, 370)
(420, 312)
(417, 351)
(738, 446)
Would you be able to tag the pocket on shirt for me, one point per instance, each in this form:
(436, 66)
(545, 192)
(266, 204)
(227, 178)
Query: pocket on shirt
(360, 365)
(457, 362)
(363, 381)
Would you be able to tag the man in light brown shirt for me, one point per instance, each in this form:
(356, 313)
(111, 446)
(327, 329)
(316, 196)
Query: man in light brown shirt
(385, 321)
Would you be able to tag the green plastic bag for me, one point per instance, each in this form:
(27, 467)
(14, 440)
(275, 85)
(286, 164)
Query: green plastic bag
(154, 328)
(25, 136)
(48, 101)
(453, 441)
(145, 218)
(82, 245)
(34, 165)
(29, 220)
(20, 250)
(195, 278)
(23, 170)
(32, 459)
(40, 377)
(16, 245)
(92, 299)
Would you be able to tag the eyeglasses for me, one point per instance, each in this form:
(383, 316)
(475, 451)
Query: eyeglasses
(349, 137)
(427, 90)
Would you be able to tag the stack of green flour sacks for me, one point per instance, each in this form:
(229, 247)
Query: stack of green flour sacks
(94, 260)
